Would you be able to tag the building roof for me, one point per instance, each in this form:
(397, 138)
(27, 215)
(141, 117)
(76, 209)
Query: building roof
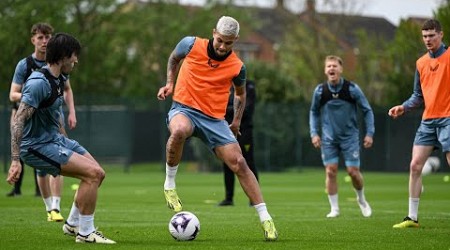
(273, 22)
(345, 27)
(348, 25)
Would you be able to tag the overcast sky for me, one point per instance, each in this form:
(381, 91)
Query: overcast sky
(392, 10)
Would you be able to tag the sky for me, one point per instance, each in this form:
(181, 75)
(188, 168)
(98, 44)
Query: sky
(392, 10)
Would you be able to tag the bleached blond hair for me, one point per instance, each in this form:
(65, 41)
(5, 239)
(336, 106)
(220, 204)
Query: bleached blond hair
(227, 26)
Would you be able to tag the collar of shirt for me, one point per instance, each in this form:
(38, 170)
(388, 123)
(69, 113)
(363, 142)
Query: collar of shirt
(439, 52)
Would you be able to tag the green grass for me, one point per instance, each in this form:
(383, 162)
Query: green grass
(131, 210)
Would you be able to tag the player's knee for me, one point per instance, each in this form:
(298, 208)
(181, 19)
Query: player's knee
(415, 168)
(101, 174)
(331, 172)
(97, 175)
(241, 161)
(353, 172)
(179, 132)
(240, 166)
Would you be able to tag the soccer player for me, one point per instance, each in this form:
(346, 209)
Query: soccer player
(36, 138)
(49, 186)
(431, 90)
(245, 139)
(209, 69)
(334, 113)
(40, 33)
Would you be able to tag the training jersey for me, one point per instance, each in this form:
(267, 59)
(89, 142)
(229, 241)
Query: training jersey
(204, 83)
(431, 85)
(43, 126)
(20, 77)
(337, 118)
(20, 74)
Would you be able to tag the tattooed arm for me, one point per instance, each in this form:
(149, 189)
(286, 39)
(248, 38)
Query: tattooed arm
(24, 113)
(172, 67)
(238, 106)
(179, 53)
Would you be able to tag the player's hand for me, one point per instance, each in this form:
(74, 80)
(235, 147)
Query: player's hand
(14, 172)
(235, 129)
(71, 121)
(396, 111)
(316, 142)
(164, 92)
(368, 142)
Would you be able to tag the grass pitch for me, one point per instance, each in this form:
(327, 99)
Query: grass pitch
(131, 210)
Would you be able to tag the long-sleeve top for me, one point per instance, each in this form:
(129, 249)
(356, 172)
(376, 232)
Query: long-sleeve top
(431, 89)
(337, 118)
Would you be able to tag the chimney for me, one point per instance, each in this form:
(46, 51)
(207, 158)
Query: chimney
(310, 6)
(280, 4)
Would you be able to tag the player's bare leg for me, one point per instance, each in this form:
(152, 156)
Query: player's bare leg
(180, 129)
(358, 184)
(331, 171)
(91, 175)
(55, 184)
(231, 155)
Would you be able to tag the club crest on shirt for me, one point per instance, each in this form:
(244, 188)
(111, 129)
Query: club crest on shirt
(210, 63)
(434, 67)
(58, 89)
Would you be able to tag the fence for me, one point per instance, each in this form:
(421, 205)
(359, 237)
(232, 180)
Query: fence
(130, 132)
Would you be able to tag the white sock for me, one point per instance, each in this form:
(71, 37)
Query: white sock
(360, 196)
(48, 204)
(171, 173)
(413, 208)
(261, 208)
(74, 216)
(56, 200)
(86, 224)
(333, 199)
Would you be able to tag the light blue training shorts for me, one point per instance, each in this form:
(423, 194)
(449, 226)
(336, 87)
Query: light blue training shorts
(48, 158)
(349, 148)
(438, 137)
(213, 132)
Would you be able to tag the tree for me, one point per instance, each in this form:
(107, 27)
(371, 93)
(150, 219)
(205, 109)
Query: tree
(443, 15)
(83, 19)
(301, 58)
(16, 19)
(125, 45)
(370, 73)
(406, 48)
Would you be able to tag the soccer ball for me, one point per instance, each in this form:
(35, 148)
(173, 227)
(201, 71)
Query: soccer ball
(431, 165)
(184, 226)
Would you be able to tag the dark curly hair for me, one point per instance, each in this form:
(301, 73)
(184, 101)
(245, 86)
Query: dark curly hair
(61, 46)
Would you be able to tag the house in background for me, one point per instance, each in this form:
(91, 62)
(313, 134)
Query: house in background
(262, 43)
(269, 26)
(416, 19)
(343, 29)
